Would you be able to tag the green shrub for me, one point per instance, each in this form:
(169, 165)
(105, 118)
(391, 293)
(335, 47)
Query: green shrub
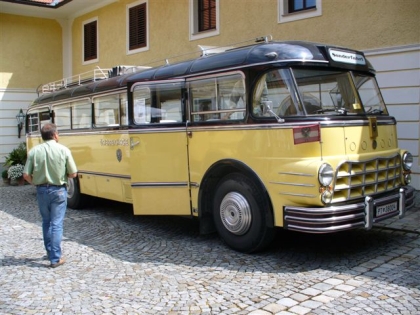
(17, 156)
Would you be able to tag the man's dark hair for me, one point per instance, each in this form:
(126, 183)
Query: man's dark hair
(48, 131)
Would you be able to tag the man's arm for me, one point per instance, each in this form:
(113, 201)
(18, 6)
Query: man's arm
(72, 175)
(28, 178)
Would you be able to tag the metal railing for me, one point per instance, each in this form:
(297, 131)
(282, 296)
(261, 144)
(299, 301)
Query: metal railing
(79, 79)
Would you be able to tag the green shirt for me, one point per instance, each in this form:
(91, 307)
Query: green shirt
(49, 163)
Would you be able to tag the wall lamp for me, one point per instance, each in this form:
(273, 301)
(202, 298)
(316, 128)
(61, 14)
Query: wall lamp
(20, 120)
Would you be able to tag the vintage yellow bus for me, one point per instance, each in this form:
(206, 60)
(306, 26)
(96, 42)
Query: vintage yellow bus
(291, 135)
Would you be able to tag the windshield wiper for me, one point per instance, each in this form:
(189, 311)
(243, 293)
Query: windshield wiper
(375, 111)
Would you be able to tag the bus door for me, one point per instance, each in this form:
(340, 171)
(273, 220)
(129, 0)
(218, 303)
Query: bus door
(158, 147)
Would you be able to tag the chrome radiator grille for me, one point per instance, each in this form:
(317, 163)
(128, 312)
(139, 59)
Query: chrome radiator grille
(362, 178)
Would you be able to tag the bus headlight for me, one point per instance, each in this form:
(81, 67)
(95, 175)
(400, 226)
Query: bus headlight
(325, 174)
(407, 161)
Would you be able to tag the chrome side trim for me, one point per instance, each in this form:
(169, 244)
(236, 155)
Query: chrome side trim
(298, 195)
(82, 172)
(159, 184)
(293, 184)
(296, 174)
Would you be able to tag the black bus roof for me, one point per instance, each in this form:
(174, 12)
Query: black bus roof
(291, 52)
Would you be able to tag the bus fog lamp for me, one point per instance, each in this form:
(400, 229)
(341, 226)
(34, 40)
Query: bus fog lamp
(407, 160)
(326, 197)
(407, 178)
(325, 174)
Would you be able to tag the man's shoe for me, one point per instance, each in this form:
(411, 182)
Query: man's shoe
(59, 263)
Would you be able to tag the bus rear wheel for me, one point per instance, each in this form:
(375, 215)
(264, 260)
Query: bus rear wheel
(241, 214)
(75, 199)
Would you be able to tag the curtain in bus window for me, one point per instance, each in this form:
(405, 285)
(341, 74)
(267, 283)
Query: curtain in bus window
(141, 104)
(123, 109)
(82, 114)
(62, 117)
(106, 110)
(169, 102)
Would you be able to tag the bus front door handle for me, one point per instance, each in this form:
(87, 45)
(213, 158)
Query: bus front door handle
(133, 144)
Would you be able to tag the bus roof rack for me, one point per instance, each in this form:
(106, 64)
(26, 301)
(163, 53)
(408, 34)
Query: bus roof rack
(79, 79)
(210, 50)
(101, 74)
(123, 69)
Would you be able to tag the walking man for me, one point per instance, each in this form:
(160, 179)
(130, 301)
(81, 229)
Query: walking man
(48, 166)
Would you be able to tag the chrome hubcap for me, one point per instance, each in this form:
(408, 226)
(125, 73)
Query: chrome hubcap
(235, 213)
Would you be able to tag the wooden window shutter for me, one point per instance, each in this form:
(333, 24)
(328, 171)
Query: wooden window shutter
(206, 15)
(90, 41)
(138, 27)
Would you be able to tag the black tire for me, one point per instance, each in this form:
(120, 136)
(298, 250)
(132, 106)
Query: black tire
(75, 199)
(242, 214)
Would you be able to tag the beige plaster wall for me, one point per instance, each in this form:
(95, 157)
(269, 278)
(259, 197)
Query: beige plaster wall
(360, 24)
(30, 51)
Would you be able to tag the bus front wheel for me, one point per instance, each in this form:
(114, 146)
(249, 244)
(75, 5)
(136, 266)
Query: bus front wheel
(241, 214)
(75, 199)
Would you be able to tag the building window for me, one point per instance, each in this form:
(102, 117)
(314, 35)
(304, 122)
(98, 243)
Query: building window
(206, 15)
(293, 10)
(137, 30)
(90, 41)
(204, 18)
(300, 5)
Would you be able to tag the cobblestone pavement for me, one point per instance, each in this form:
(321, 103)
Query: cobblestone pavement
(117, 263)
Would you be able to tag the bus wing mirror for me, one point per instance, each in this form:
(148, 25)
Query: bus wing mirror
(266, 108)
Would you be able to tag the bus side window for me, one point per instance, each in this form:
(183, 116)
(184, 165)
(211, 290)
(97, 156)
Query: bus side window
(221, 98)
(106, 110)
(32, 122)
(82, 114)
(36, 119)
(62, 117)
(158, 103)
(273, 89)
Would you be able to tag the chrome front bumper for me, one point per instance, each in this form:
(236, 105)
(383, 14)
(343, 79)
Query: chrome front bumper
(349, 216)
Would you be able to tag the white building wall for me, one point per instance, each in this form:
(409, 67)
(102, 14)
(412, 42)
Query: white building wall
(398, 75)
(11, 101)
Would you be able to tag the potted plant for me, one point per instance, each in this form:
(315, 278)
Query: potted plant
(15, 173)
(16, 156)
(5, 176)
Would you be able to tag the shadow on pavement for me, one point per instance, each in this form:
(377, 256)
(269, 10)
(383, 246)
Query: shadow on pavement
(111, 228)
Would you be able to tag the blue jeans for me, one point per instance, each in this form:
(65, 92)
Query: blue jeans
(52, 202)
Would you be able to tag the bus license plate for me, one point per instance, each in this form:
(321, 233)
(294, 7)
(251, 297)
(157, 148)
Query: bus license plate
(385, 209)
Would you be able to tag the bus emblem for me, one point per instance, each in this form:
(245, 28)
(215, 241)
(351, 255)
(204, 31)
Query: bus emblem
(119, 155)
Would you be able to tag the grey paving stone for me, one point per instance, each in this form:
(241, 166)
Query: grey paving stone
(118, 263)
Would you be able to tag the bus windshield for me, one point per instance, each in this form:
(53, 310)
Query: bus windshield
(319, 92)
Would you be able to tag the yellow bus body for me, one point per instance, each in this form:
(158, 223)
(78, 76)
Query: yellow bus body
(293, 135)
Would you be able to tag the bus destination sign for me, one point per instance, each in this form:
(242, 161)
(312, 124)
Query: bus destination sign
(347, 57)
